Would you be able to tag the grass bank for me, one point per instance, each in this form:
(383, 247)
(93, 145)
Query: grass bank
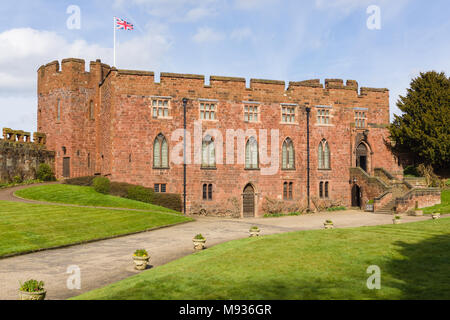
(414, 260)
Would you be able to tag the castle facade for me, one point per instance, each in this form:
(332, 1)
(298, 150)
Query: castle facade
(249, 148)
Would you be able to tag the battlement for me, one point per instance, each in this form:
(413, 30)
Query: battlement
(75, 71)
(71, 73)
(21, 136)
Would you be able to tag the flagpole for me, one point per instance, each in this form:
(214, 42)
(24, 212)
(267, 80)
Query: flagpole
(114, 42)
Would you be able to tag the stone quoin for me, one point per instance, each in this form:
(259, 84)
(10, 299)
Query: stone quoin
(119, 124)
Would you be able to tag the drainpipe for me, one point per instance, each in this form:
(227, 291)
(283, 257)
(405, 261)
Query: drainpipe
(185, 100)
(308, 110)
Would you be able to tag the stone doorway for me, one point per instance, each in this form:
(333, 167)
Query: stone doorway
(361, 156)
(66, 167)
(356, 196)
(248, 204)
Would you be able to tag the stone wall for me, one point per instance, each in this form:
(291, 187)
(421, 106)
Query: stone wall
(425, 197)
(20, 157)
(119, 139)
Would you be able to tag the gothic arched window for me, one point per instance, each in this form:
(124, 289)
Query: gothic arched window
(288, 156)
(208, 153)
(251, 154)
(324, 155)
(160, 152)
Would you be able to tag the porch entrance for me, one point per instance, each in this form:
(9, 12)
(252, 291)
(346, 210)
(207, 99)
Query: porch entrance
(361, 156)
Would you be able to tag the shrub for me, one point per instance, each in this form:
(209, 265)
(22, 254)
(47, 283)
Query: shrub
(120, 189)
(80, 181)
(32, 286)
(45, 173)
(199, 237)
(340, 208)
(168, 200)
(139, 193)
(329, 222)
(141, 253)
(411, 171)
(431, 178)
(101, 185)
(397, 217)
(17, 179)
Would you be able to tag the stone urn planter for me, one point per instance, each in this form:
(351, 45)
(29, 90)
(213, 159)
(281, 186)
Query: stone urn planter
(199, 242)
(141, 258)
(436, 215)
(254, 232)
(396, 220)
(328, 224)
(32, 290)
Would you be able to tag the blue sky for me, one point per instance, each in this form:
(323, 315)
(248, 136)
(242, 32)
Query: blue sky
(271, 39)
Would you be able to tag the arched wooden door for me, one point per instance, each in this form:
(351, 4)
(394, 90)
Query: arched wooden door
(249, 201)
(356, 196)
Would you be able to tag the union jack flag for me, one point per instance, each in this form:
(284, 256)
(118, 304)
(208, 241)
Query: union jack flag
(122, 24)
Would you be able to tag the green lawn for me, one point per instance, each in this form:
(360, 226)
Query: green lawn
(414, 259)
(25, 227)
(84, 196)
(444, 207)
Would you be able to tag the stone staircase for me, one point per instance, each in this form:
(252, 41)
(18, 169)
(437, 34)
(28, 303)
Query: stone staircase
(396, 189)
(391, 194)
(387, 209)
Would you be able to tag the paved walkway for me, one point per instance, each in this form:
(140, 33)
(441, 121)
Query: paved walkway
(108, 261)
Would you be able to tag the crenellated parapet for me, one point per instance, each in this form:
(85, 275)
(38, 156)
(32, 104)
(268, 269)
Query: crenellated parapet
(21, 136)
(72, 73)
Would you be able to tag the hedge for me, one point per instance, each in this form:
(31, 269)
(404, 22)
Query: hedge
(168, 200)
(140, 194)
(80, 181)
(126, 190)
(101, 185)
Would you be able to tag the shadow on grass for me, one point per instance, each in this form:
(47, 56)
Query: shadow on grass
(424, 270)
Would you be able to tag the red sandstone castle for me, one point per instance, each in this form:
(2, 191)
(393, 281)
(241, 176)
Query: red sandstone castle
(120, 124)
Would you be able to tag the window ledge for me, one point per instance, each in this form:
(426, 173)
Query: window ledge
(327, 169)
(288, 169)
(209, 120)
(291, 123)
(208, 168)
(161, 168)
(252, 169)
(162, 118)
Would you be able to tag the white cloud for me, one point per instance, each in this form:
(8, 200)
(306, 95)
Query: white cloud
(174, 10)
(207, 34)
(23, 51)
(199, 13)
(241, 34)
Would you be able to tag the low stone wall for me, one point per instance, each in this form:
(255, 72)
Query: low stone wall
(425, 198)
(20, 157)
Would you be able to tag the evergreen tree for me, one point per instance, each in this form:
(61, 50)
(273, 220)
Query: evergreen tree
(423, 130)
